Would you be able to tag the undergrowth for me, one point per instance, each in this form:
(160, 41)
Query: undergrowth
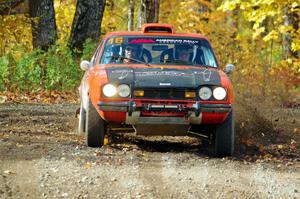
(55, 69)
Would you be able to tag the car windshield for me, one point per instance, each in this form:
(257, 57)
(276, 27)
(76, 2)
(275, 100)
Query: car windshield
(158, 50)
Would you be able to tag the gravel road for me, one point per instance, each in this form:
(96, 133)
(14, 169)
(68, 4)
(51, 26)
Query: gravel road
(42, 157)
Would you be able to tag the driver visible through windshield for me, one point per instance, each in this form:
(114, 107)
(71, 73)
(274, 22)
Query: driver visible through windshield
(158, 50)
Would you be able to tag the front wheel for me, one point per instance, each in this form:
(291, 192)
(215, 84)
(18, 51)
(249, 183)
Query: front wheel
(224, 137)
(95, 127)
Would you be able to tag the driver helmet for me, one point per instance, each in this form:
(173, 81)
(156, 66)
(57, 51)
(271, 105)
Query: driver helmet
(135, 50)
(183, 52)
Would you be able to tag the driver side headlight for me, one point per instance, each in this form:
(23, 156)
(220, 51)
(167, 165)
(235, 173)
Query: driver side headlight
(123, 90)
(219, 93)
(109, 90)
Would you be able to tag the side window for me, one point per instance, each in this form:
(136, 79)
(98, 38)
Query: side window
(208, 56)
(96, 54)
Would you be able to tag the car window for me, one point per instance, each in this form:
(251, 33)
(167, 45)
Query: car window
(96, 54)
(158, 50)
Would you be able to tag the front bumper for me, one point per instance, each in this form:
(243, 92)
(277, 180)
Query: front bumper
(197, 107)
(180, 113)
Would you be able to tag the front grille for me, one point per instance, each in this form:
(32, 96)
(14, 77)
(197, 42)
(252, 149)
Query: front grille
(165, 93)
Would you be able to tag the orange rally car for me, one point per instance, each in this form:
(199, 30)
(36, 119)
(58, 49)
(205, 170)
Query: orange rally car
(160, 83)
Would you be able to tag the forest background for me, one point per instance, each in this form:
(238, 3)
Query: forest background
(260, 37)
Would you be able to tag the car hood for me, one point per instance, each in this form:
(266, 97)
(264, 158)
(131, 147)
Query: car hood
(163, 77)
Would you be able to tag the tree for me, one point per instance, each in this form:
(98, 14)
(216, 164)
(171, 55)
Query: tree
(149, 12)
(283, 21)
(87, 22)
(131, 15)
(291, 19)
(43, 23)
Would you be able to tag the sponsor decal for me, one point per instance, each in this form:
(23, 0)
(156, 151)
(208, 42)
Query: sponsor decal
(144, 41)
(176, 41)
(155, 77)
(165, 84)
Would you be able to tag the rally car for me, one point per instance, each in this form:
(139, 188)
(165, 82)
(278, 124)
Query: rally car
(160, 83)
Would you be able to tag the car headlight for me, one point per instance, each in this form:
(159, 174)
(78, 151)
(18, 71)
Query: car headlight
(219, 93)
(123, 90)
(109, 90)
(205, 93)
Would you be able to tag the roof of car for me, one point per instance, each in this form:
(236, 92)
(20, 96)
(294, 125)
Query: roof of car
(158, 30)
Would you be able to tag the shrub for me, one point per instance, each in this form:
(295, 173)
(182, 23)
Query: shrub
(62, 72)
(4, 72)
(88, 49)
(57, 69)
(27, 75)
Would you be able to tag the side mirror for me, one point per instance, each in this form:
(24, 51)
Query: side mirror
(229, 68)
(84, 65)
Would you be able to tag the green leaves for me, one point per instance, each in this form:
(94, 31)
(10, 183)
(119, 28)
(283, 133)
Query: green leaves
(28, 72)
(4, 64)
(62, 72)
(38, 70)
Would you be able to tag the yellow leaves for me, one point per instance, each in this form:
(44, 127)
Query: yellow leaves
(273, 35)
(106, 140)
(295, 5)
(267, 2)
(295, 45)
(15, 30)
(3, 99)
(229, 5)
(285, 28)
(64, 14)
(258, 31)
(9, 172)
(88, 165)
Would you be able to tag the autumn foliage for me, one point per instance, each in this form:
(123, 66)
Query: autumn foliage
(260, 37)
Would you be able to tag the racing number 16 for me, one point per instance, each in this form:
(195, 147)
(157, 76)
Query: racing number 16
(117, 40)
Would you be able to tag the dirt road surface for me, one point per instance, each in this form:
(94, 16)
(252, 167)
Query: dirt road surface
(42, 157)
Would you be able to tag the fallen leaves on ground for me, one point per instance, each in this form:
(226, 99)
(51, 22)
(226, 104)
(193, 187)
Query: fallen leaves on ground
(39, 97)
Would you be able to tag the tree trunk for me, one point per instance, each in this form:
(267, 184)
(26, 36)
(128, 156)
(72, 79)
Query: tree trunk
(131, 15)
(290, 19)
(149, 12)
(43, 25)
(87, 22)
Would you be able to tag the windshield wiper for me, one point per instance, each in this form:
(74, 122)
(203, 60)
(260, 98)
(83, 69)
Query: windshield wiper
(166, 60)
(131, 59)
(175, 61)
(179, 61)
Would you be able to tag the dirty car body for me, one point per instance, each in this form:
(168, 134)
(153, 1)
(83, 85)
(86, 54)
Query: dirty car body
(161, 83)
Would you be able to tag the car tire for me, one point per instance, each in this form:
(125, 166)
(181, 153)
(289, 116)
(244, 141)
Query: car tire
(224, 137)
(95, 127)
(81, 120)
